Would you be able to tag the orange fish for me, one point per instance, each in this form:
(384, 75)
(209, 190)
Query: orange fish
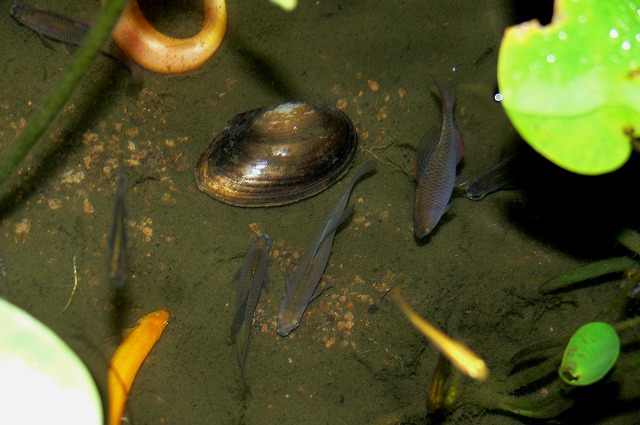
(129, 357)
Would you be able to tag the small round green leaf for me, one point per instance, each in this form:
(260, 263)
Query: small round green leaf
(591, 353)
(572, 88)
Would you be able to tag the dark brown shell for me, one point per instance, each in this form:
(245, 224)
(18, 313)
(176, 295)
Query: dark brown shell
(278, 155)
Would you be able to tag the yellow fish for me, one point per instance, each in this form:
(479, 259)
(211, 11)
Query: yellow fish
(465, 360)
(129, 357)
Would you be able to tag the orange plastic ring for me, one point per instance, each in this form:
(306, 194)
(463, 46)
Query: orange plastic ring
(159, 53)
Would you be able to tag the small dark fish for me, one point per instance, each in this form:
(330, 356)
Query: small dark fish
(501, 176)
(51, 24)
(301, 288)
(435, 167)
(251, 277)
(71, 31)
(483, 56)
(117, 255)
(3, 275)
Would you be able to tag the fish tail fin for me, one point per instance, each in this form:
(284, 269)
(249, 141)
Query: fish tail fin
(447, 93)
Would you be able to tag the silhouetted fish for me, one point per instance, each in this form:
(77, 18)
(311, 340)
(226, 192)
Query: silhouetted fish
(3, 276)
(251, 277)
(117, 259)
(501, 175)
(67, 30)
(435, 166)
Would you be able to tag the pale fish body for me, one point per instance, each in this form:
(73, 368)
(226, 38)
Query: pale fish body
(435, 166)
(251, 278)
(301, 288)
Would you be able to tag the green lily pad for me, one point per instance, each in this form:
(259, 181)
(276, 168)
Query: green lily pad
(572, 88)
(43, 380)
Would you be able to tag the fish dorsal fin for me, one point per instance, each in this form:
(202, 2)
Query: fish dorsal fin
(332, 226)
(319, 292)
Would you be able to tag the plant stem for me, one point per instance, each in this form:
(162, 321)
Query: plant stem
(14, 153)
(630, 239)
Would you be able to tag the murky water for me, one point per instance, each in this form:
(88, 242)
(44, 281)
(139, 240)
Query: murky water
(354, 359)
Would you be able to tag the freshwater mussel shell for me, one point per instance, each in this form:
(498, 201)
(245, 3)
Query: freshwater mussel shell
(278, 155)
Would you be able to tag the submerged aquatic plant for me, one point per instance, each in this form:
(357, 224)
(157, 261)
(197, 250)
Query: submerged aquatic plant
(537, 391)
(531, 383)
(14, 153)
(541, 382)
(572, 88)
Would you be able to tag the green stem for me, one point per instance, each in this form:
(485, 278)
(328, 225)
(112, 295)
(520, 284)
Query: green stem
(532, 407)
(14, 153)
(624, 368)
(588, 272)
(629, 323)
(630, 239)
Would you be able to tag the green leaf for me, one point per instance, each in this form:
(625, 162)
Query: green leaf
(591, 353)
(43, 380)
(572, 88)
